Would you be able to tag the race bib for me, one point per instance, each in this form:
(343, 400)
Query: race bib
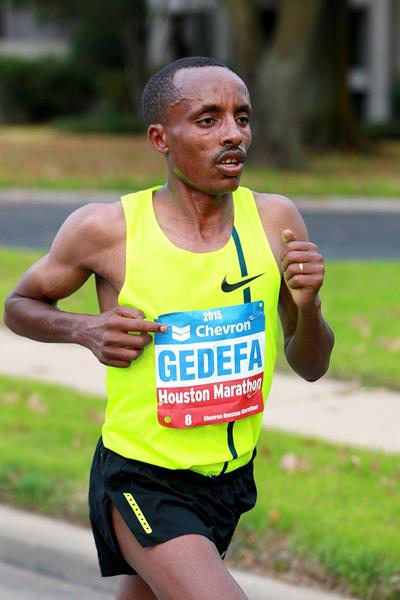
(210, 365)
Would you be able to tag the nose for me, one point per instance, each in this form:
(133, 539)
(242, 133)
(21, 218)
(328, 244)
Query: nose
(231, 133)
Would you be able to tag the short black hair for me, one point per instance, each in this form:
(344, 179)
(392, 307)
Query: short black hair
(160, 91)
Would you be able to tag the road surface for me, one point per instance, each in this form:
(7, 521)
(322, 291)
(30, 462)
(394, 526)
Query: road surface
(340, 233)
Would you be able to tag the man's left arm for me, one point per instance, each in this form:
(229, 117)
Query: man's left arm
(308, 339)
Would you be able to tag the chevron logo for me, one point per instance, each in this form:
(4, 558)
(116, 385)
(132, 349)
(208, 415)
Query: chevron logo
(180, 334)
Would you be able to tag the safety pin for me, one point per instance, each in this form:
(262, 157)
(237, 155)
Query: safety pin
(258, 314)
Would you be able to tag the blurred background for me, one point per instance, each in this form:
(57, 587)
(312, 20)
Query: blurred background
(324, 77)
(340, 60)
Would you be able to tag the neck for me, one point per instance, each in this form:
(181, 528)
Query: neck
(202, 221)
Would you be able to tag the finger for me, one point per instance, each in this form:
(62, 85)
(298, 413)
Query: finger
(311, 282)
(121, 354)
(127, 340)
(298, 246)
(129, 312)
(126, 324)
(303, 269)
(288, 236)
(110, 362)
(300, 257)
(121, 364)
(301, 245)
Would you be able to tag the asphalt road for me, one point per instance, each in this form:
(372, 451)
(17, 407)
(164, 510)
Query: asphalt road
(339, 234)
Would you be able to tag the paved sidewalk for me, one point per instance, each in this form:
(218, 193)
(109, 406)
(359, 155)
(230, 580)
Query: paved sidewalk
(55, 555)
(63, 558)
(337, 411)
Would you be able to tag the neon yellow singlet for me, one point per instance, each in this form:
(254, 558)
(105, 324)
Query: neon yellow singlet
(160, 279)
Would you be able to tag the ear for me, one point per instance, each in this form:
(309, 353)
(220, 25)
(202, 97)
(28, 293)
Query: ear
(158, 138)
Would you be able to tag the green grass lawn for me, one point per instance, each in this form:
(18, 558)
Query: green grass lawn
(334, 516)
(360, 302)
(54, 159)
(13, 263)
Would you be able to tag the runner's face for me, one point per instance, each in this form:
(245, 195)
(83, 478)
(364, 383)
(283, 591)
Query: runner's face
(207, 130)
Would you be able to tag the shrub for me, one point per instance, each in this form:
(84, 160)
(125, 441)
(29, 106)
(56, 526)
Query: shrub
(36, 90)
(387, 130)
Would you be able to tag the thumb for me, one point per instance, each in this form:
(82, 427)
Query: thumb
(288, 236)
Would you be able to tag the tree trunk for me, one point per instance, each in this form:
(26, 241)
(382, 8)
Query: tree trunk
(135, 43)
(244, 17)
(328, 115)
(281, 76)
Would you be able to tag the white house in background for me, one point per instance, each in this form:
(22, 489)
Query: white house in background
(22, 33)
(179, 27)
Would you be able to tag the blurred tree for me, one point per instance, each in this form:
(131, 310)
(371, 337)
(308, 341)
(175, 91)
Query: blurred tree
(109, 38)
(328, 119)
(299, 78)
(245, 19)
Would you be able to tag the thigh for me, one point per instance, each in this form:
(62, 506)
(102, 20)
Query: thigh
(187, 567)
(133, 587)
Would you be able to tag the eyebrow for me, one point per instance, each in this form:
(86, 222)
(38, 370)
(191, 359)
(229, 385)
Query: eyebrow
(214, 108)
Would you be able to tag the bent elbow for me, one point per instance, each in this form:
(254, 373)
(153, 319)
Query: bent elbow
(10, 315)
(7, 314)
(314, 377)
(317, 373)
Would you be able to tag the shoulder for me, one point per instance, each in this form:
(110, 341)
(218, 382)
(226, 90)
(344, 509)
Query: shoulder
(88, 230)
(96, 220)
(274, 204)
(96, 223)
(278, 212)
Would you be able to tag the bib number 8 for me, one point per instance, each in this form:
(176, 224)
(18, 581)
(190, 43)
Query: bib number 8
(188, 419)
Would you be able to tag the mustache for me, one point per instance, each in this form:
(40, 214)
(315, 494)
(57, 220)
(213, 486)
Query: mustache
(222, 153)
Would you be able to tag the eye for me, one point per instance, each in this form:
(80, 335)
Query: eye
(205, 121)
(243, 120)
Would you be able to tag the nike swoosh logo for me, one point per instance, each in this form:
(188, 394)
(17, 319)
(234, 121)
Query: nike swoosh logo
(230, 287)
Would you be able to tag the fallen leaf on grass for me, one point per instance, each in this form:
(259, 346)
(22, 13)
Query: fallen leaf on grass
(361, 325)
(290, 463)
(375, 467)
(266, 451)
(247, 560)
(94, 416)
(393, 345)
(251, 538)
(35, 404)
(273, 517)
(76, 442)
(355, 461)
(10, 398)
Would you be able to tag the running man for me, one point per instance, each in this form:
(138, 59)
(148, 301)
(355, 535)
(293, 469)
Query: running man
(190, 279)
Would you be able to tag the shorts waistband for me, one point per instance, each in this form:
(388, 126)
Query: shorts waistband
(186, 474)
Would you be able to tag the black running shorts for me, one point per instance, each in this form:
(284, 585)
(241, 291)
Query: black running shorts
(160, 504)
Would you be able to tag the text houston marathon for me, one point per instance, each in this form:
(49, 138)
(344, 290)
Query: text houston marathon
(221, 390)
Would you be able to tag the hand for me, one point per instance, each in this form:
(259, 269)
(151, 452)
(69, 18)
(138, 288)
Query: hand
(303, 269)
(109, 336)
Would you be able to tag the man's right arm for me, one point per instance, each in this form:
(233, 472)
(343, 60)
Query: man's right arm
(31, 309)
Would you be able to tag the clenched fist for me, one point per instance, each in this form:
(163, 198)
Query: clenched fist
(303, 269)
(119, 336)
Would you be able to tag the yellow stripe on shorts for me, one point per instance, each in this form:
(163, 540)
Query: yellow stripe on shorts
(140, 516)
